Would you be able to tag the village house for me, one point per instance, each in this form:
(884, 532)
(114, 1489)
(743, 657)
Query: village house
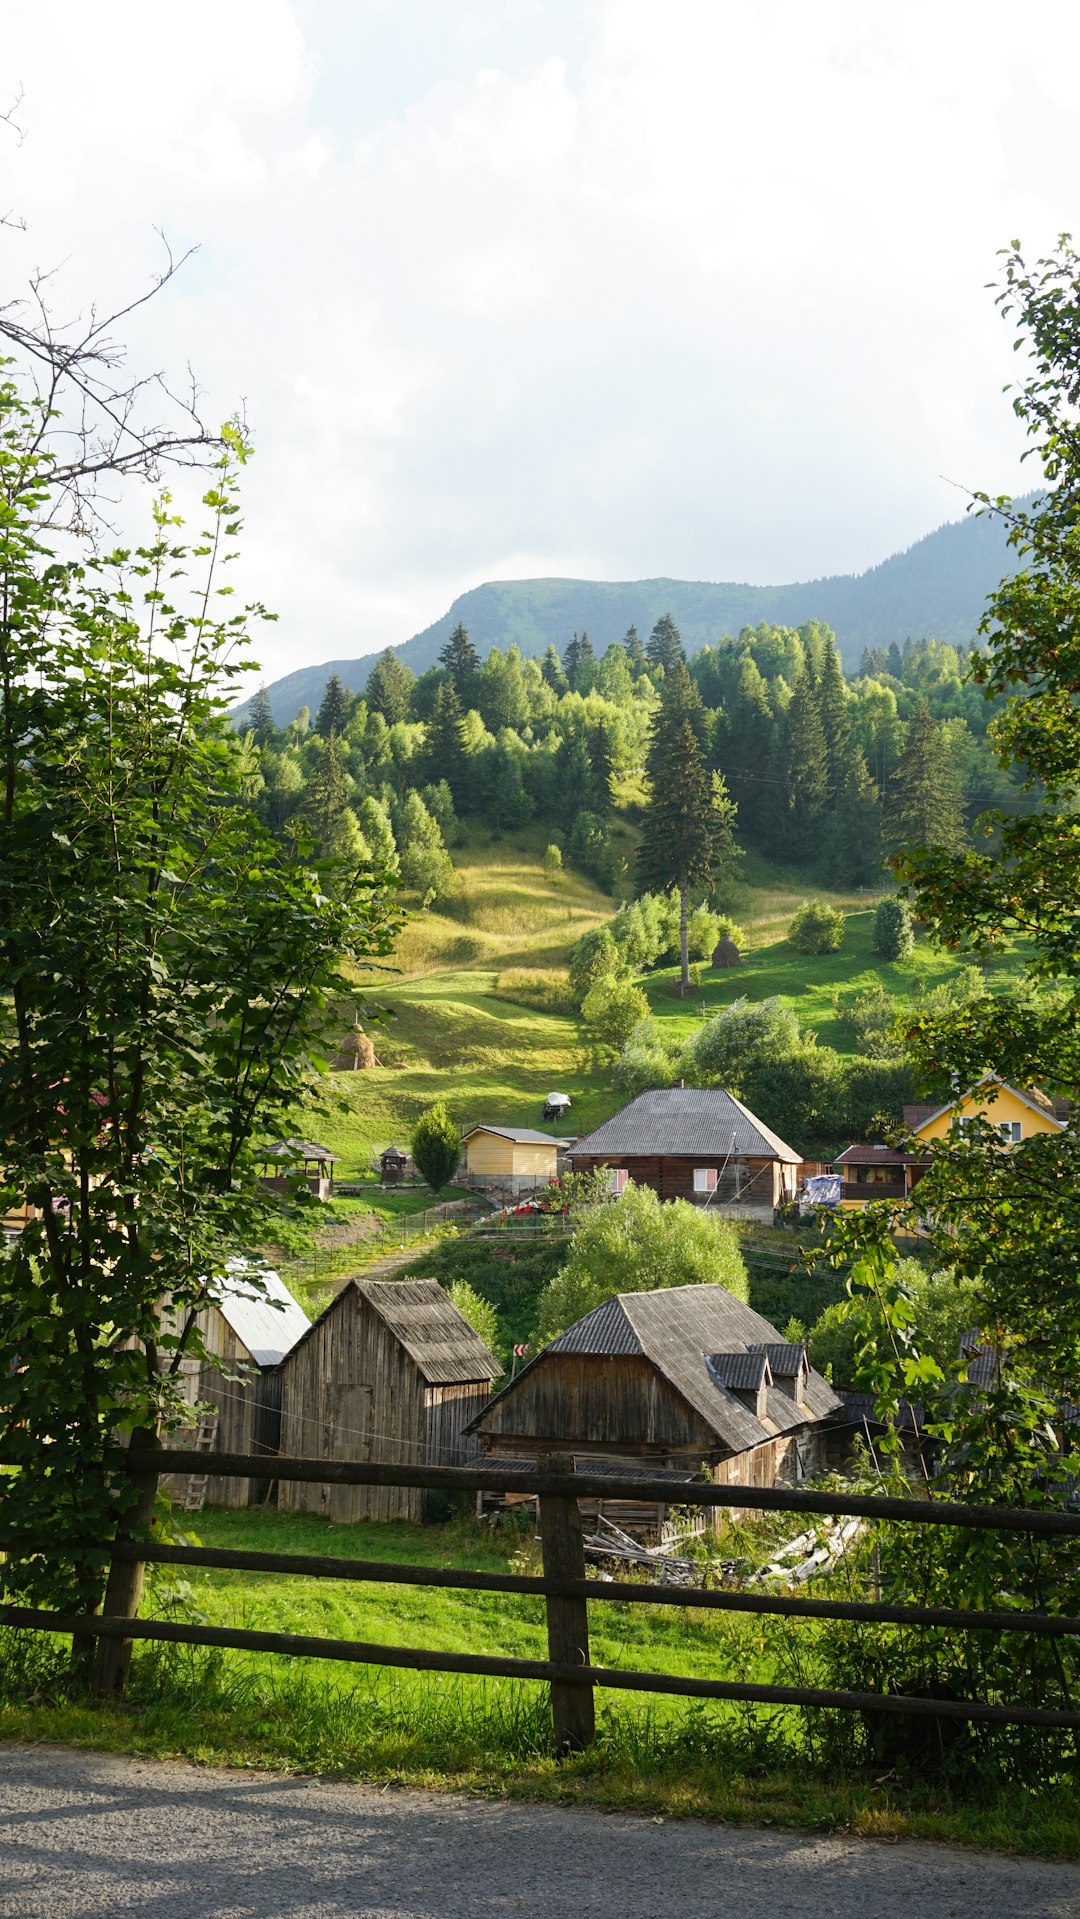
(390, 1371)
(508, 1159)
(698, 1144)
(872, 1172)
(246, 1333)
(667, 1382)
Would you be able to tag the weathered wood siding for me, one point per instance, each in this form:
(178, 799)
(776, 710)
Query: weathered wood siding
(597, 1399)
(236, 1400)
(350, 1391)
(766, 1182)
(447, 1411)
(491, 1154)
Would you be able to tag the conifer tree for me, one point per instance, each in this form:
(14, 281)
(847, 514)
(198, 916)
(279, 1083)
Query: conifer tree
(328, 792)
(853, 840)
(665, 647)
(923, 800)
(575, 779)
(261, 718)
(571, 661)
(333, 715)
(601, 771)
(802, 771)
(388, 687)
(635, 652)
(832, 699)
(373, 819)
(462, 663)
(586, 668)
(687, 832)
(551, 669)
(748, 746)
(445, 749)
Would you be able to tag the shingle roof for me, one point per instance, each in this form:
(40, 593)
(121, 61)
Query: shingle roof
(683, 1121)
(741, 1372)
(786, 1360)
(431, 1329)
(268, 1331)
(296, 1149)
(521, 1135)
(676, 1327)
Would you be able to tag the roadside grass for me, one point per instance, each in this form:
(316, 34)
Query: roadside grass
(668, 1758)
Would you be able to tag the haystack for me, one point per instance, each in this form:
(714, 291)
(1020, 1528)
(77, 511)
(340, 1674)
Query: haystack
(726, 953)
(356, 1053)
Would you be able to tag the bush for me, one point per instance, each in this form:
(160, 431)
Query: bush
(875, 1092)
(799, 1094)
(612, 1008)
(590, 848)
(721, 1051)
(872, 1018)
(594, 956)
(634, 1245)
(894, 934)
(816, 928)
(479, 1312)
(436, 1147)
(553, 865)
(641, 1066)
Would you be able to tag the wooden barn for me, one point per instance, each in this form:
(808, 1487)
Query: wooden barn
(247, 1333)
(390, 1371)
(512, 1157)
(669, 1381)
(694, 1143)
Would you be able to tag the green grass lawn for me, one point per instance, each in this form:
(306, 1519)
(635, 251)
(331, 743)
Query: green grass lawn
(666, 1756)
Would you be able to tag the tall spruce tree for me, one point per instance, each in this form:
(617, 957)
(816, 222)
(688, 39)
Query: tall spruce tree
(551, 668)
(601, 771)
(575, 779)
(571, 661)
(261, 718)
(801, 775)
(333, 715)
(924, 804)
(462, 663)
(328, 791)
(687, 832)
(664, 646)
(445, 747)
(749, 743)
(388, 687)
(635, 652)
(832, 699)
(853, 838)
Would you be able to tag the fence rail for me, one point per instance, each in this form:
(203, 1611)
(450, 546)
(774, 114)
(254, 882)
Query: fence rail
(563, 1586)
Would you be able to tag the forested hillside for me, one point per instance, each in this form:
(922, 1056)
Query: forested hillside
(936, 589)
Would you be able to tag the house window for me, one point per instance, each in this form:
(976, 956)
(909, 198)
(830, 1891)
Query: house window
(1010, 1130)
(616, 1179)
(704, 1179)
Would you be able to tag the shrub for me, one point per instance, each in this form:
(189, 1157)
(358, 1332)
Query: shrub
(436, 1147)
(612, 1008)
(594, 956)
(894, 934)
(553, 865)
(816, 928)
(642, 1065)
(479, 1312)
(871, 1016)
(720, 1052)
(591, 850)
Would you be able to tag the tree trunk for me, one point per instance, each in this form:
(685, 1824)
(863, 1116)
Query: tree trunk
(684, 943)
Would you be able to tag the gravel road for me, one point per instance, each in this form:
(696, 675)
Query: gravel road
(90, 1836)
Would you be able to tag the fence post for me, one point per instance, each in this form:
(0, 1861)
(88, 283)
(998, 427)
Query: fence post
(572, 1706)
(123, 1590)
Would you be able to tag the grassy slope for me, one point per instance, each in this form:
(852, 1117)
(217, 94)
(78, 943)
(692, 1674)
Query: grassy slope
(449, 1036)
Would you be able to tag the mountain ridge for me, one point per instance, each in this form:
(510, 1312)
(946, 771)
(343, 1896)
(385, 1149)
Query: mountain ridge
(935, 588)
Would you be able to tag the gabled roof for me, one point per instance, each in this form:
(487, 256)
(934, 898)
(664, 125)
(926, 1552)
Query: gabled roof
(521, 1135)
(684, 1121)
(740, 1372)
(437, 1338)
(786, 1360)
(1038, 1102)
(676, 1328)
(269, 1330)
(292, 1150)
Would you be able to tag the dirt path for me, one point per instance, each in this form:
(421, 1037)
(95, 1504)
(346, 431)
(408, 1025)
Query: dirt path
(91, 1836)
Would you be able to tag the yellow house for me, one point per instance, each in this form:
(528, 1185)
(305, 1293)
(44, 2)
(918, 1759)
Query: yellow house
(510, 1156)
(1017, 1115)
(890, 1172)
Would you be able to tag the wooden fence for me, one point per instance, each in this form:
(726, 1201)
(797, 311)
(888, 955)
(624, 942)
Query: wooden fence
(563, 1585)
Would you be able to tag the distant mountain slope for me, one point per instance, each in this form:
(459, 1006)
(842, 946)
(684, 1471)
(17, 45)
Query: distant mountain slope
(937, 588)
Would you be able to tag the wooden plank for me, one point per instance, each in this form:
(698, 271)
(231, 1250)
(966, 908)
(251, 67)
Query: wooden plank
(928, 1512)
(400, 1573)
(573, 1710)
(357, 1652)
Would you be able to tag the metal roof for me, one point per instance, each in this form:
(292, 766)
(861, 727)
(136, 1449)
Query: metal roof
(267, 1321)
(684, 1121)
(676, 1327)
(521, 1135)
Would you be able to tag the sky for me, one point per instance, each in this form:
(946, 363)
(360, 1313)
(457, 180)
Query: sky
(594, 288)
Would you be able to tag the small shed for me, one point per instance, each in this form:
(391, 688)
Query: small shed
(668, 1381)
(284, 1158)
(390, 1371)
(514, 1158)
(246, 1333)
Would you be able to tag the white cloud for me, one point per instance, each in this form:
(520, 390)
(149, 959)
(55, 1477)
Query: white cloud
(594, 288)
